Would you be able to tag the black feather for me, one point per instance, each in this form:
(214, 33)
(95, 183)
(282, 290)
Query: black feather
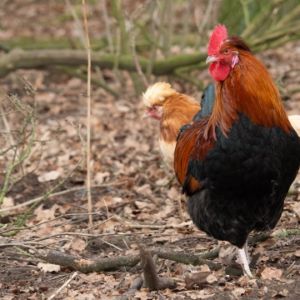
(245, 179)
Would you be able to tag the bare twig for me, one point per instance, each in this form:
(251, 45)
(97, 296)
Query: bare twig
(244, 4)
(11, 229)
(77, 22)
(88, 125)
(137, 63)
(166, 25)
(206, 16)
(154, 226)
(22, 147)
(107, 26)
(117, 11)
(153, 46)
(151, 278)
(63, 286)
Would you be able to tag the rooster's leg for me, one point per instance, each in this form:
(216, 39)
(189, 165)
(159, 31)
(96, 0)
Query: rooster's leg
(244, 261)
(247, 252)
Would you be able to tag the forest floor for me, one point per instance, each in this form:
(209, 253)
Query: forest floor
(135, 197)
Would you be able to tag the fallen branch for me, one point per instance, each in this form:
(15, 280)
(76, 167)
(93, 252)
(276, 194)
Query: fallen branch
(191, 259)
(22, 59)
(106, 264)
(87, 265)
(113, 263)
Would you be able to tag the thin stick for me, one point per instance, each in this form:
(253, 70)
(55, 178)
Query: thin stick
(88, 125)
(107, 26)
(77, 21)
(137, 62)
(49, 195)
(63, 286)
(47, 222)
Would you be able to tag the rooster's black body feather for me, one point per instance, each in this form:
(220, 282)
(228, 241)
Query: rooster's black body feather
(245, 178)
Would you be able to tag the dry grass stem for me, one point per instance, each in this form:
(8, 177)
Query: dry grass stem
(88, 120)
(63, 286)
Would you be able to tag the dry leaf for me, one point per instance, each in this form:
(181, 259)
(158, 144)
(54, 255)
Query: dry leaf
(238, 292)
(271, 273)
(7, 202)
(48, 268)
(227, 254)
(202, 294)
(173, 193)
(78, 244)
(45, 214)
(282, 293)
(52, 175)
(101, 176)
(296, 208)
(204, 268)
(297, 253)
(198, 279)
(211, 278)
(85, 297)
(162, 181)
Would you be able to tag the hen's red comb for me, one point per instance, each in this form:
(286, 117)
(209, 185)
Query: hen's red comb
(217, 37)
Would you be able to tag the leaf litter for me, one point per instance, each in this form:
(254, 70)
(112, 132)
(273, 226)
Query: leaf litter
(134, 196)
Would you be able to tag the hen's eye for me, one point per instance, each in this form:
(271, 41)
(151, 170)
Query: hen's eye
(226, 51)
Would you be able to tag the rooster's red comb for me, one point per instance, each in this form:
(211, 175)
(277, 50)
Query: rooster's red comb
(217, 37)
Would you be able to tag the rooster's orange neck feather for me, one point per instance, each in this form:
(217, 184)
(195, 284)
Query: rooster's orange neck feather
(249, 90)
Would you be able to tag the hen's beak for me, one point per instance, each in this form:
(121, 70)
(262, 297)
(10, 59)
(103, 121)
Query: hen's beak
(211, 59)
(146, 114)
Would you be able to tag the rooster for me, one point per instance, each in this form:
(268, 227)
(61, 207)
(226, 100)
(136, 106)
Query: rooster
(237, 164)
(172, 110)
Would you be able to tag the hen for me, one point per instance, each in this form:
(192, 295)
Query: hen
(172, 110)
(236, 165)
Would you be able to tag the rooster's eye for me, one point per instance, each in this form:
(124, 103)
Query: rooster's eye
(226, 51)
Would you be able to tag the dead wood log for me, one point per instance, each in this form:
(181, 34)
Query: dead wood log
(22, 59)
(87, 265)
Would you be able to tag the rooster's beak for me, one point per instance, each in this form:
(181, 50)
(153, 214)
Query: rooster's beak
(211, 59)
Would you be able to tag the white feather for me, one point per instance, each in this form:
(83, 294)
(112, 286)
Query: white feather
(157, 93)
(295, 121)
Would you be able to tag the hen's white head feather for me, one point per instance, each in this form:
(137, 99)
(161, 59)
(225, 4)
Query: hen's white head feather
(157, 93)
